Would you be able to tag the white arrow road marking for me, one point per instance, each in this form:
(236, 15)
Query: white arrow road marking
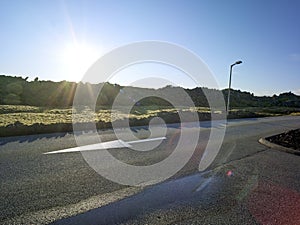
(104, 145)
(145, 140)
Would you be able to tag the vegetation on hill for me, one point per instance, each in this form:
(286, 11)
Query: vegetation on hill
(19, 91)
(45, 106)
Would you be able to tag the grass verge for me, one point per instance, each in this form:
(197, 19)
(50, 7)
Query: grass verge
(26, 120)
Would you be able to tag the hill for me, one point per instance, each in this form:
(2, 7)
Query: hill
(19, 91)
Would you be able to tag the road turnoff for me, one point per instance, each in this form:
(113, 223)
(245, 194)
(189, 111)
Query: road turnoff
(233, 190)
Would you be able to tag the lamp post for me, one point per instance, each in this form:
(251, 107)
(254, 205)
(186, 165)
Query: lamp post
(228, 100)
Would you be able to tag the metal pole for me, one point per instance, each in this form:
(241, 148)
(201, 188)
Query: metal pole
(228, 99)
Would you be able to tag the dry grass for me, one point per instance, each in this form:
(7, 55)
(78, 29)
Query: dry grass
(29, 115)
(295, 114)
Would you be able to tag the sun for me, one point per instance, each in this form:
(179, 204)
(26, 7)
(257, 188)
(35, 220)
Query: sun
(77, 58)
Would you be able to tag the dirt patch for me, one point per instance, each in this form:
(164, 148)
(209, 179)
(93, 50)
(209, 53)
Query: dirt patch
(289, 139)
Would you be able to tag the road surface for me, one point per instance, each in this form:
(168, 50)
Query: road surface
(242, 185)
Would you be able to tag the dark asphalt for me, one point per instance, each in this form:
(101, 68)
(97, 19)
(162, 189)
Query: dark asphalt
(234, 191)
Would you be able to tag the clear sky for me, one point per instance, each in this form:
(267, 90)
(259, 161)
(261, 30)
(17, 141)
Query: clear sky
(44, 38)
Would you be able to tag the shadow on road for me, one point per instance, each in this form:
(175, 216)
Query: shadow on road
(30, 138)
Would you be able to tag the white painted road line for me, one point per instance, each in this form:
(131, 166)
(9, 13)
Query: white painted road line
(104, 145)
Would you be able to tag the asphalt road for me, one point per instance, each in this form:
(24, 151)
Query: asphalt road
(246, 184)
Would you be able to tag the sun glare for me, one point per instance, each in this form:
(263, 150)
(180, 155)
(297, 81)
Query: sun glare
(77, 58)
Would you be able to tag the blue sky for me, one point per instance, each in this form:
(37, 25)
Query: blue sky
(38, 37)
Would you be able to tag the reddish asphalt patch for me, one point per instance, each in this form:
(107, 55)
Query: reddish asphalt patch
(273, 204)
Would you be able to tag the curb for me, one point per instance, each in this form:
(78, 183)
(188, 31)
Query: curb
(278, 147)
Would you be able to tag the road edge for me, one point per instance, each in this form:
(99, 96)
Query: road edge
(271, 145)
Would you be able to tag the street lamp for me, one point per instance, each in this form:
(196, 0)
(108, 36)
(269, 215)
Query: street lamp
(228, 100)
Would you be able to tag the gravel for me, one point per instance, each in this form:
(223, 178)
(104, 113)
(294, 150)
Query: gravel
(289, 139)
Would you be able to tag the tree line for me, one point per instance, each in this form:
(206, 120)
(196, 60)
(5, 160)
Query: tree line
(20, 91)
